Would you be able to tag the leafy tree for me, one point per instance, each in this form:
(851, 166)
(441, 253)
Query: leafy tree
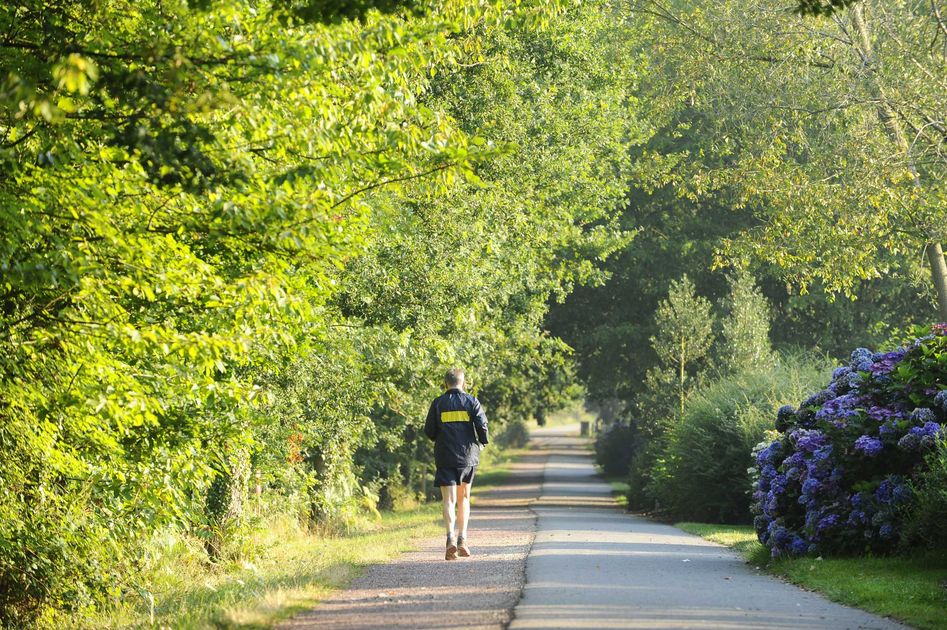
(822, 7)
(744, 345)
(184, 190)
(826, 128)
(685, 333)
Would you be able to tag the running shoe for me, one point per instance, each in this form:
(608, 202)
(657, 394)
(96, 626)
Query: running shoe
(451, 549)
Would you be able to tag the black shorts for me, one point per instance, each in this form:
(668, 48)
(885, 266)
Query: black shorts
(454, 476)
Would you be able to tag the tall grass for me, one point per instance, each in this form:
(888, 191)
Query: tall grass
(283, 569)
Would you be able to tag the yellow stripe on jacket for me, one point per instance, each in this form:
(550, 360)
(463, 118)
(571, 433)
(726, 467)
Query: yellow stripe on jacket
(455, 416)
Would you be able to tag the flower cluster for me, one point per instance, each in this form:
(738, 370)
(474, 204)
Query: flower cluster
(838, 477)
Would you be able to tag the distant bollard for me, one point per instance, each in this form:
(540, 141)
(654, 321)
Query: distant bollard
(584, 428)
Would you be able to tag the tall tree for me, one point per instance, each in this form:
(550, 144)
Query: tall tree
(830, 129)
(685, 332)
(182, 187)
(744, 341)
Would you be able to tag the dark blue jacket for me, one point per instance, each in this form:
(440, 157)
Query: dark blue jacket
(456, 422)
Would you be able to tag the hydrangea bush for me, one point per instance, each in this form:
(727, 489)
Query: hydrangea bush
(837, 480)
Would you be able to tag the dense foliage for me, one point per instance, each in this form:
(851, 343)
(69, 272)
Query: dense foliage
(702, 474)
(612, 452)
(828, 131)
(838, 478)
(927, 514)
(805, 146)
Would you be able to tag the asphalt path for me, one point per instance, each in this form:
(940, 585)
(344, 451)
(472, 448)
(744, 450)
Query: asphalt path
(593, 566)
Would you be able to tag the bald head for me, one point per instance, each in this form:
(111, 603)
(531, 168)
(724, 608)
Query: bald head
(454, 379)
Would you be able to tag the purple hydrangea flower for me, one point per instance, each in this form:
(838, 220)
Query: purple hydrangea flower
(880, 413)
(808, 440)
(868, 445)
(909, 442)
(841, 373)
(841, 407)
(888, 428)
(811, 486)
(803, 492)
(859, 355)
(941, 400)
(819, 455)
(795, 460)
(930, 429)
(855, 380)
(827, 522)
(799, 546)
(857, 517)
(768, 455)
(817, 399)
(884, 363)
(884, 493)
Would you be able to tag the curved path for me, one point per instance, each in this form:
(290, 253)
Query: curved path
(590, 566)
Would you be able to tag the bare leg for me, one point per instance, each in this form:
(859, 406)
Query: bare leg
(449, 495)
(463, 509)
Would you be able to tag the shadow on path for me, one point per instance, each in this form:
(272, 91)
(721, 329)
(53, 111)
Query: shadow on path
(593, 566)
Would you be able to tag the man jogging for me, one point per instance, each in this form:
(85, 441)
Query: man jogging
(458, 426)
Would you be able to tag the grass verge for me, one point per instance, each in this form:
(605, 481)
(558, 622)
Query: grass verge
(620, 489)
(495, 467)
(290, 571)
(912, 589)
(283, 569)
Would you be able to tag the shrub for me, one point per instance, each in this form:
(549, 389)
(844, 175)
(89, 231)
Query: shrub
(613, 448)
(924, 522)
(705, 462)
(514, 434)
(837, 480)
(644, 468)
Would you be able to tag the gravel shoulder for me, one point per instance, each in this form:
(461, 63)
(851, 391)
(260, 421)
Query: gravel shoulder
(420, 589)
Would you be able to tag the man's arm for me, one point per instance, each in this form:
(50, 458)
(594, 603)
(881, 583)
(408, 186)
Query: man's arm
(430, 424)
(480, 422)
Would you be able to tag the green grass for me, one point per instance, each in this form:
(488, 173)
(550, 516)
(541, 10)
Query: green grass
(292, 571)
(283, 569)
(495, 467)
(912, 589)
(620, 489)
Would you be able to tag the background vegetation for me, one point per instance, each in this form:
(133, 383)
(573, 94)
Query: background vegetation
(242, 239)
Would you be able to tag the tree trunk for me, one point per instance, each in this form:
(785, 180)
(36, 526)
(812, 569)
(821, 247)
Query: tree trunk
(225, 500)
(682, 375)
(935, 255)
(888, 118)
